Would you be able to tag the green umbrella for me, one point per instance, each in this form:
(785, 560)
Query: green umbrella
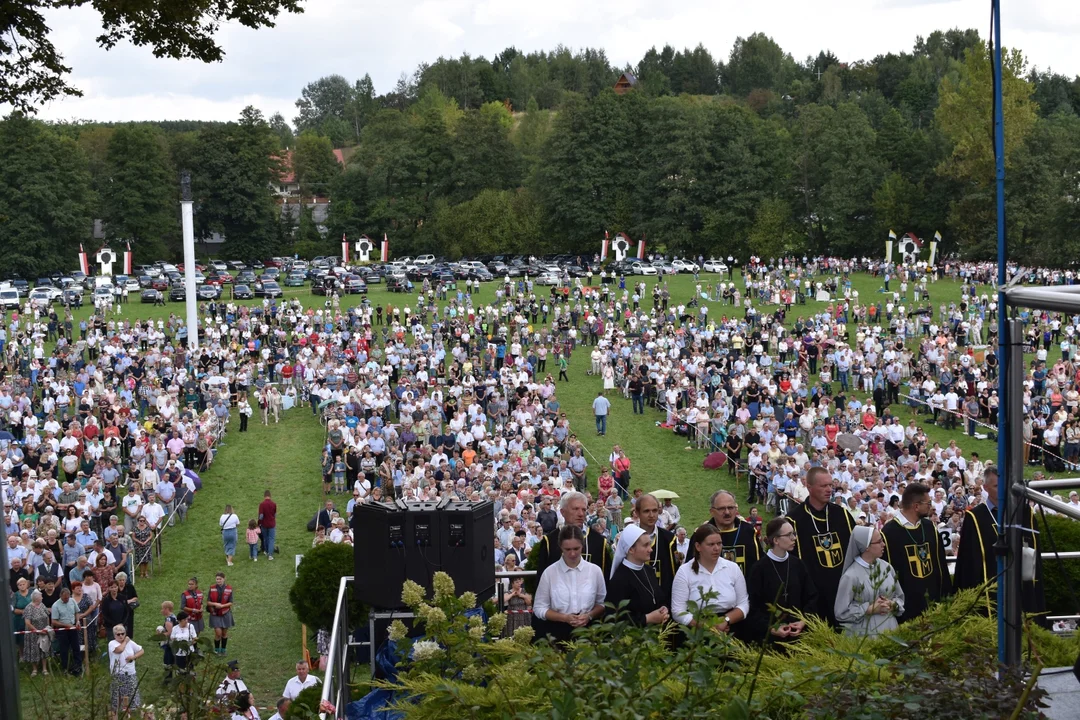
(324, 403)
(664, 495)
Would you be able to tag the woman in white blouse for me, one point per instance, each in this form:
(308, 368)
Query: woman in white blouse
(571, 591)
(709, 573)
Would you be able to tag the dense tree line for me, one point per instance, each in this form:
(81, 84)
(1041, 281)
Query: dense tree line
(533, 152)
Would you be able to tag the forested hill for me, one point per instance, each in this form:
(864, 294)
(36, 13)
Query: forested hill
(757, 153)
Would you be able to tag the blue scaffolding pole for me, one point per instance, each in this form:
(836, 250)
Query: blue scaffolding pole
(1004, 339)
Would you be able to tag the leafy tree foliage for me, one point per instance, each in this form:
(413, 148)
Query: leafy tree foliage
(138, 199)
(32, 70)
(235, 164)
(45, 198)
(314, 163)
(523, 151)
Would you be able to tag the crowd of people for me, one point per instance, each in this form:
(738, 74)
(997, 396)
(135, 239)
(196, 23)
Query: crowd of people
(442, 395)
(104, 434)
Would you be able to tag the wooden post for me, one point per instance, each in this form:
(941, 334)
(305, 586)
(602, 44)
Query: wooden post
(86, 650)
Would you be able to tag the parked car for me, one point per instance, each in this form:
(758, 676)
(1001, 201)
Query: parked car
(398, 283)
(684, 266)
(104, 294)
(150, 295)
(242, 292)
(72, 296)
(208, 292)
(295, 279)
(268, 289)
(9, 298)
(177, 293)
(642, 268)
(21, 286)
(41, 296)
(245, 277)
(547, 278)
(715, 266)
(325, 285)
(354, 285)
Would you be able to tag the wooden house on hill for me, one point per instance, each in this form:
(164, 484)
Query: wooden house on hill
(625, 84)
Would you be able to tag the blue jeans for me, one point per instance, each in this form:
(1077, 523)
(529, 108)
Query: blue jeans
(601, 424)
(253, 550)
(639, 403)
(269, 535)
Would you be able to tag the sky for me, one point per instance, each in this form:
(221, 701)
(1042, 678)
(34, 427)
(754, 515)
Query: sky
(268, 68)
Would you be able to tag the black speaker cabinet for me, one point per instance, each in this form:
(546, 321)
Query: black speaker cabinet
(422, 559)
(392, 545)
(379, 554)
(468, 531)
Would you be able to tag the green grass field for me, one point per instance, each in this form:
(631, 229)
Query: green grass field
(284, 459)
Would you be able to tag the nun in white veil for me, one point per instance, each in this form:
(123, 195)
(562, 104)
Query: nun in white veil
(632, 580)
(869, 598)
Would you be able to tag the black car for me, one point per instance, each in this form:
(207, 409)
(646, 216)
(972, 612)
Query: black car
(177, 293)
(150, 295)
(398, 283)
(21, 286)
(242, 292)
(480, 274)
(268, 289)
(44, 282)
(325, 285)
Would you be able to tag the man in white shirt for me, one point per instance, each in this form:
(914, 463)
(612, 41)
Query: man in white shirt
(300, 682)
(282, 708)
(153, 512)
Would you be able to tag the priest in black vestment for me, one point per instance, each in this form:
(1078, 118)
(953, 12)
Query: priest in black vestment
(572, 507)
(740, 539)
(914, 549)
(822, 532)
(976, 563)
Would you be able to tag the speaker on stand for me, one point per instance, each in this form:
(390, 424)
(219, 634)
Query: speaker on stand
(467, 540)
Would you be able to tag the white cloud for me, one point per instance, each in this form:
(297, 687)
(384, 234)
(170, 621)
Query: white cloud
(269, 67)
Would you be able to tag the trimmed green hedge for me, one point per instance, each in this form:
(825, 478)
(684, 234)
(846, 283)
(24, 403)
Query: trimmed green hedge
(1057, 574)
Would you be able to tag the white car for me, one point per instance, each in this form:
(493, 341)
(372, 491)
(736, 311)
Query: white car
(42, 296)
(9, 298)
(684, 266)
(715, 266)
(547, 278)
(219, 266)
(132, 285)
(425, 260)
(105, 293)
(640, 268)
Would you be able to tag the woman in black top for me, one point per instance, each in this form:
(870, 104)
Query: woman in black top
(633, 582)
(780, 588)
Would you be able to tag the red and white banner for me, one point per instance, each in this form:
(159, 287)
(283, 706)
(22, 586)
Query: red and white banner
(344, 250)
(641, 248)
(127, 261)
(84, 264)
(385, 249)
(604, 247)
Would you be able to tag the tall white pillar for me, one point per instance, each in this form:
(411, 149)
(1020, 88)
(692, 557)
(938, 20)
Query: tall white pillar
(187, 219)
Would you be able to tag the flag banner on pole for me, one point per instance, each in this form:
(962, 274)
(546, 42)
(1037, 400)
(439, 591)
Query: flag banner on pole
(344, 250)
(641, 248)
(892, 235)
(385, 249)
(127, 260)
(933, 246)
(604, 247)
(84, 263)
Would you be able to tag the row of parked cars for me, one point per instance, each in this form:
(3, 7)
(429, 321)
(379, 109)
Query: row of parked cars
(258, 279)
